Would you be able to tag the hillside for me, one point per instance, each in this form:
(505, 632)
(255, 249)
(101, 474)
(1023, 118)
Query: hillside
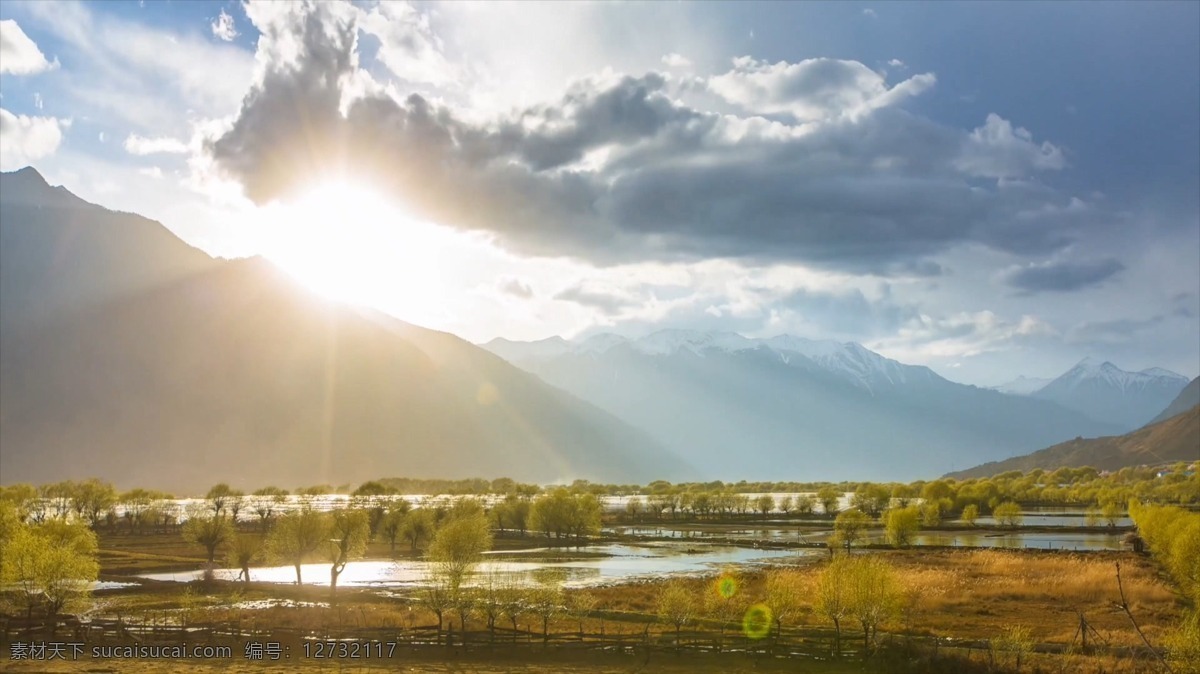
(1175, 439)
(1188, 398)
(130, 356)
(814, 409)
(1105, 392)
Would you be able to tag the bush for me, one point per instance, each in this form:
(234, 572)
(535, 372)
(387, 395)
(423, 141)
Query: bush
(1008, 514)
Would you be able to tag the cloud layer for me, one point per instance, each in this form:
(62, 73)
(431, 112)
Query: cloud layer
(19, 55)
(223, 27)
(24, 139)
(1063, 276)
(820, 165)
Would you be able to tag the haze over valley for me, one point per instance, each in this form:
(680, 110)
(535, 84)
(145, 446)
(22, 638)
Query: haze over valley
(129, 355)
(345, 241)
(600, 337)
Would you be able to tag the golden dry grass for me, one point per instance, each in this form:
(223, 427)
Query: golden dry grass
(974, 594)
(962, 594)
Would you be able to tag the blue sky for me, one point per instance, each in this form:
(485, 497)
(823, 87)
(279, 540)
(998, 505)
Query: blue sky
(990, 189)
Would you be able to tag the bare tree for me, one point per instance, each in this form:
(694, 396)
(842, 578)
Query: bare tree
(208, 531)
(833, 596)
(296, 536)
(348, 534)
(218, 497)
(244, 550)
(676, 606)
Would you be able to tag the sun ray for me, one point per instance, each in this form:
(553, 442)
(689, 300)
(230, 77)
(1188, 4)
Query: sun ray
(351, 244)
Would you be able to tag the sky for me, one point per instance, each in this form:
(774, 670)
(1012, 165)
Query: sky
(989, 189)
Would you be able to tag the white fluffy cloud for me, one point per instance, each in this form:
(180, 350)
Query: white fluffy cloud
(618, 168)
(813, 89)
(959, 335)
(24, 140)
(408, 46)
(997, 150)
(223, 27)
(149, 78)
(674, 60)
(19, 55)
(138, 145)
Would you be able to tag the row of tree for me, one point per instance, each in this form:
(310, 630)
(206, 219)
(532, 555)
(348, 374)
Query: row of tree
(901, 524)
(98, 502)
(341, 535)
(51, 563)
(860, 590)
(1173, 537)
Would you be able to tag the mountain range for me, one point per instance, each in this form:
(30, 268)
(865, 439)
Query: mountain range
(1103, 391)
(128, 355)
(1023, 385)
(787, 405)
(1176, 438)
(1188, 398)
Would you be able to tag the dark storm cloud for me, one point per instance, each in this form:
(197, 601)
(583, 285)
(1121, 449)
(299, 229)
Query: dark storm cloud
(515, 287)
(1063, 276)
(1120, 331)
(619, 170)
(849, 313)
(607, 303)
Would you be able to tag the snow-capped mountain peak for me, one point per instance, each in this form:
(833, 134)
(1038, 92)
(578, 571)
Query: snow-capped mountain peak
(598, 343)
(513, 351)
(1092, 370)
(1107, 393)
(1158, 372)
(812, 348)
(848, 361)
(1022, 385)
(666, 342)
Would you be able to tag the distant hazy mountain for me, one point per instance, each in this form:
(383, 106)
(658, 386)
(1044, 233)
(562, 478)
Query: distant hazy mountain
(794, 408)
(62, 254)
(1023, 386)
(1188, 398)
(1169, 441)
(1105, 392)
(128, 355)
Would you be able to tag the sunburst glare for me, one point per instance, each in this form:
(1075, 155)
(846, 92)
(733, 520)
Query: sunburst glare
(349, 243)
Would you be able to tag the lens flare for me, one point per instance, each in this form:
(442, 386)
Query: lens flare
(487, 395)
(726, 587)
(756, 624)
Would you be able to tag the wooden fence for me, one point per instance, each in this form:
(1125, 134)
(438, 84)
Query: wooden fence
(802, 644)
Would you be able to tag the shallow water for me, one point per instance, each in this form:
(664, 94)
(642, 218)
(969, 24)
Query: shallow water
(625, 563)
(1040, 541)
(982, 538)
(108, 585)
(734, 531)
(1039, 519)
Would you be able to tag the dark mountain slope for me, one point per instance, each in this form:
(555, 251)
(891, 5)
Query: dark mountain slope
(1175, 439)
(807, 410)
(1105, 392)
(61, 253)
(229, 371)
(1188, 398)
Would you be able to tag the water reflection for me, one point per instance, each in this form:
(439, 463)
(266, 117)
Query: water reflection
(1039, 541)
(982, 538)
(1038, 519)
(623, 563)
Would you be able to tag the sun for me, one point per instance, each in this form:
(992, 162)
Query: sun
(351, 244)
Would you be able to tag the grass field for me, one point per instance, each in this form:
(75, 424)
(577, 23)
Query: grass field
(962, 597)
